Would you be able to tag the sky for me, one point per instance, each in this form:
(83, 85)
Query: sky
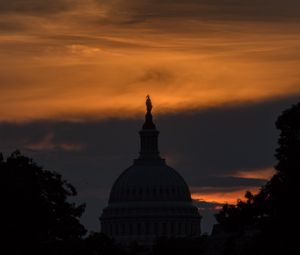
(74, 75)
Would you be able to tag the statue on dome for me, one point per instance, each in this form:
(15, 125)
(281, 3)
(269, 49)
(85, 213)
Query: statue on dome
(148, 104)
(148, 117)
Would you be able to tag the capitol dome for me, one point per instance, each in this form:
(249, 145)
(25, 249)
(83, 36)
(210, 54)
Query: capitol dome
(149, 182)
(149, 200)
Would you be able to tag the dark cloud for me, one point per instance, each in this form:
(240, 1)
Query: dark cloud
(219, 141)
(132, 11)
(36, 7)
(202, 9)
(204, 147)
(225, 182)
(10, 26)
(156, 75)
(76, 17)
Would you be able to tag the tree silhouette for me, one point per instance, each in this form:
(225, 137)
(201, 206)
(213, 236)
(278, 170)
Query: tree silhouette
(288, 155)
(181, 246)
(272, 212)
(37, 212)
(100, 244)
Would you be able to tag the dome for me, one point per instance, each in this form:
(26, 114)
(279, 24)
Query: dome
(149, 200)
(149, 181)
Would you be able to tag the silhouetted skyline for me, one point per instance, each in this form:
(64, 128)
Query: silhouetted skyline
(74, 74)
(191, 143)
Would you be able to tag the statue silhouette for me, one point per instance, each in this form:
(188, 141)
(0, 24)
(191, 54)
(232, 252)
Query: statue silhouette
(148, 104)
(148, 117)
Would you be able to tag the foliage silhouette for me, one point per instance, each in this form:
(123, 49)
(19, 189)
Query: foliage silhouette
(37, 211)
(270, 214)
(100, 244)
(181, 246)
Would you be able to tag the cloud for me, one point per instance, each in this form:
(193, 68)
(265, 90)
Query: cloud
(36, 7)
(130, 11)
(153, 15)
(144, 10)
(156, 75)
(48, 144)
(79, 82)
(84, 65)
(264, 173)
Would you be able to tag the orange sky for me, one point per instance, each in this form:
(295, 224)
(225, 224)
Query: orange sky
(221, 196)
(232, 194)
(92, 60)
(224, 196)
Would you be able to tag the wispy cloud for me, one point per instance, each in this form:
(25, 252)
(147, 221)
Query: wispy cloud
(75, 59)
(264, 173)
(48, 143)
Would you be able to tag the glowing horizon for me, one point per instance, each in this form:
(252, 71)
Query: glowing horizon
(230, 195)
(223, 196)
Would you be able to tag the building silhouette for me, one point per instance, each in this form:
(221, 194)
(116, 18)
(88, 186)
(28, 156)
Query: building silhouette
(149, 200)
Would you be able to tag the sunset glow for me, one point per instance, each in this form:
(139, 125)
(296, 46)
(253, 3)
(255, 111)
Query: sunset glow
(222, 196)
(88, 64)
(75, 74)
(232, 194)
